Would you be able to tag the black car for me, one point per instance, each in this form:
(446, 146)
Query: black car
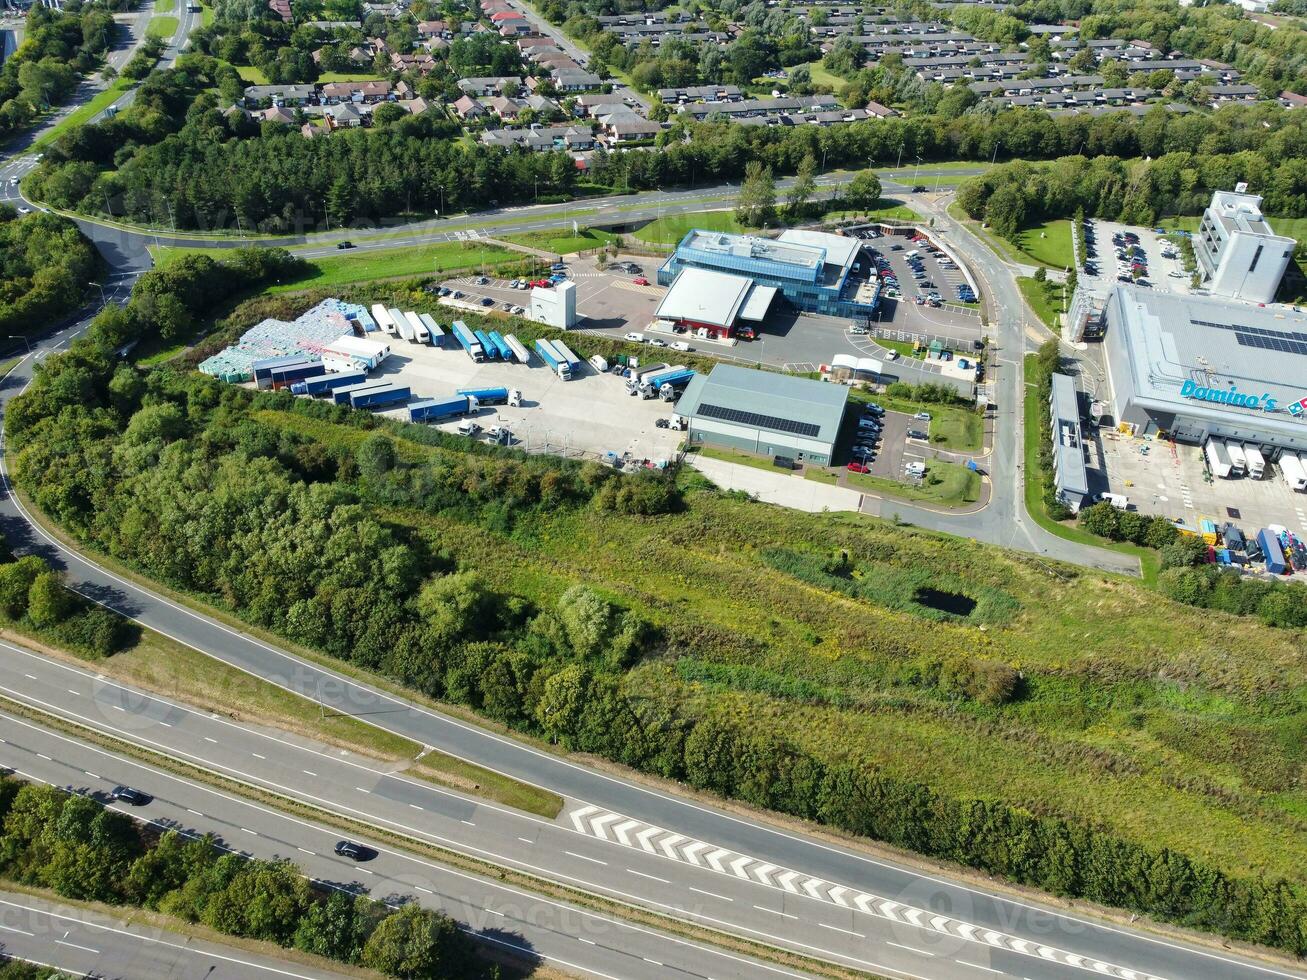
(918, 188)
(487, 301)
(918, 434)
(135, 797)
(354, 851)
(662, 423)
(345, 244)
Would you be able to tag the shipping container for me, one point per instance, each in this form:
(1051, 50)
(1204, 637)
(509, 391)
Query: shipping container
(435, 336)
(1218, 460)
(1232, 537)
(434, 409)
(483, 338)
(501, 345)
(417, 326)
(485, 396)
(519, 349)
(341, 396)
(1238, 462)
(1272, 553)
(1256, 461)
(329, 382)
(383, 318)
(1293, 472)
(377, 397)
(468, 341)
(557, 363)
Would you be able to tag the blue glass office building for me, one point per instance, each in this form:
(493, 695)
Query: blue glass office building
(815, 271)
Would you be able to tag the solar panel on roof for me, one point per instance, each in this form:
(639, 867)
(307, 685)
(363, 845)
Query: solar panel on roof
(1286, 341)
(772, 422)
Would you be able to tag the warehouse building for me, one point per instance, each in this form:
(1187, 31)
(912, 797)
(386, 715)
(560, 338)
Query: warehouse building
(713, 303)
(814, 271)
(1070, 477)
(1238, 254)
(760, 412)
(1191, 367)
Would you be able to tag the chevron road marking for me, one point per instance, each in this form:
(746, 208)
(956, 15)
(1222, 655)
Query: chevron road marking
(628, 832)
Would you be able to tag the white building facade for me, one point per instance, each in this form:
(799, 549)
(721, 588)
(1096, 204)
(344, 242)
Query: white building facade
(1238, 254)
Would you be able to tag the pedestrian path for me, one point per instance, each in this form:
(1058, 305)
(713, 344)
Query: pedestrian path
(619, 829)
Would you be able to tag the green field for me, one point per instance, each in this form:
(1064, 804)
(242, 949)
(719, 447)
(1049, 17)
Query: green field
(820, 76)
(563, 242)
(251, 74)
(671, 228)
(886, 207)
(165, 6)
(1048, 243)
(162, 27)
(946, 484)
(84, 113)
(1046, 306)
(364, 265)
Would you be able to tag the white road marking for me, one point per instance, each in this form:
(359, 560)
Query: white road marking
(977, 966)
(910, 949)
(711, 894)
(584, 858)
(86, 949)
(787, 915)
(847, 932)
(257, 756)
(650, 877)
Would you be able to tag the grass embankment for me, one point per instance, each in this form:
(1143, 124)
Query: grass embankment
(886, 207)
(742, 458)
(84, 113)
(1045, 299)
(162, 27)
(1048, 244)
(671, 228)
(563, 241)
(1149, 560)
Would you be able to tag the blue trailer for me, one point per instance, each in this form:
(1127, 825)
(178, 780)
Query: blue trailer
(492, 352)
(501, 345)
(557, 363)
(1272, 553)
(672, 386)
(434, 333)
(435, 409)
(387, 394)
(485, 396)
(342, 396)
(468, 341)
(573, 362)
(288, 374)
(329, 382)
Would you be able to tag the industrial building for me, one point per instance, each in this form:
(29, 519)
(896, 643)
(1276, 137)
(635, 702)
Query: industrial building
(554, 306)
(713, 301)
(775, 415)
(1191, 367)
(814, 271)
(1069, 473)
(351, 353)
(1238, 255)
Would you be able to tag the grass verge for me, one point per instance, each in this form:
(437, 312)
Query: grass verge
(886, 207)
(742, 458)
(162, 27)
(957, 486)
(453, 860)
(671, 228)
(1149, 560)
(1048, 243)
(84, 113)
(1045, 299)
(165, 6)
(563, 241)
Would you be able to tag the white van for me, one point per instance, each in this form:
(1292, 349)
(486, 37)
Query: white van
(681, 345)
(637, 338)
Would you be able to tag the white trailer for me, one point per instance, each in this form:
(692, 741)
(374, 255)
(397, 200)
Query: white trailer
(418, 327)
(1217, 458)
(1256, 461)
(518, 348)
(383, 318)
(1293, 471)
(1238, 462)
(435, 336)
(401, 323)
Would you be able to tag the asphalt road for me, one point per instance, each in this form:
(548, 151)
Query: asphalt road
(86, 943)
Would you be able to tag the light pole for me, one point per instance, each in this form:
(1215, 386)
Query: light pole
(916, 172)
(994, 157)
(14, 336)
(103, 301)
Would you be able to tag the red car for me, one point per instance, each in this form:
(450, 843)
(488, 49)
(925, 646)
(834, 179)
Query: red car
(640, 281)
(856, 467)
(542, 283)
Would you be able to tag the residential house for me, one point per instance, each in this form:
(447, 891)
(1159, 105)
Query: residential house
(575, 81)
(505, 108)
(542, 104)
(427, 29)
(416, 106)
(595, 105)
(278, 95)
(1221, 94)
(277, 115)
(481, 87)
(1292, 100)
(421, 64)
(877, 111)
(347, 115)
(516, 27)
(375, 90)
(467, 108)
(315, 128)
(282, 9)
(627, 127)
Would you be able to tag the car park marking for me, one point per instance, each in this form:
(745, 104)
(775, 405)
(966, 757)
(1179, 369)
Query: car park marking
(596, 822)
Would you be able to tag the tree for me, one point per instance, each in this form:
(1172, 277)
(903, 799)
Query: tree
(418, 943)
(48, 602)
(756, 205)
(376, 457)
(387, 113)
(16, 579)
(803, 188)
(863, 191)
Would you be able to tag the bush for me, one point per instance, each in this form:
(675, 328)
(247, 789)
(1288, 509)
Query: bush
(984, 681)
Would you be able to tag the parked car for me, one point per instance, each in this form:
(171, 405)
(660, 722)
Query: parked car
(918, 434)
(655, 342)
(856, 329)
(856, 467)
(637, 338)
(458, 294)
(345, 244)
(445, 290)
(482, 280)
(487, 301)
(922, 416)
(891, 355)
(640, 281)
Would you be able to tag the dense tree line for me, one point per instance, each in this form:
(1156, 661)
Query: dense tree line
(59, 47)
(1018, 194)
(278, 509)
(175, 157)
(45, 266)
(81, 850)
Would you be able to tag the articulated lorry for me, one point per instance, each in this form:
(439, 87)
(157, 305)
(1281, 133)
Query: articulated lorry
(344, 396)
(557, 363)
(387, 394)
(519, 349)
(1256, 461)
(1293, 472)
(435, 335)
(485, 396)
(573, 362)
(639, 374)
(468, 341)
(652, 384)
(329, 382)
(501, 346)
(1218, 459)
(491, 351)
(435, 409)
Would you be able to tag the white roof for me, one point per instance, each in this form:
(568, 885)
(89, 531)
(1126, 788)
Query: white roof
(840, 249)
(352, 346)
(704, 297)
(759, 301)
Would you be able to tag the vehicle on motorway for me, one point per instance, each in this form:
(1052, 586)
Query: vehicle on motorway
(345, 244)
(134, 797)
(640, 281)
(856, 467)
(354, 850)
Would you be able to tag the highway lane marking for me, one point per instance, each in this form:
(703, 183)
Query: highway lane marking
(246, 830)
(647, 960)
(526, 840)
(421, 889)
(588, 942)
(469, 823)
(93, 775)
(196, 812)
(22, 932)
(775, 912)
(85, 949)
(307, 773)
(711, 894)
(977, 966)
(42, 755)
(910, 949)
(116, 707)
(848, 932)
(305, 850)
(362, 790)
(30, 677)
(76, 694)
(213, 740)
(650, 877)
(493, 912)
(257, 756)
(584, 858)
(415, 806)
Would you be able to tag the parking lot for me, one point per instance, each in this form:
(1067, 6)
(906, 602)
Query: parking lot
(591, 414)
(1159, 478)
(1161, 272)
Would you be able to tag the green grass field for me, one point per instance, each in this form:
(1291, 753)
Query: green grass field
(945, 484)
(1046, 306)
(252, 75)
(1048, 243)
(162, 27)
(84, 113)
(671, 228)
(886, 207)
(165, 6)
(563, 242)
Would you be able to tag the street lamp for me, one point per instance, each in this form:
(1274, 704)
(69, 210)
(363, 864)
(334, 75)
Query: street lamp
(14, 336)
(103, 301)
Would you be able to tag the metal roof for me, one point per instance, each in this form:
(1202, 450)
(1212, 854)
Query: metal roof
(766, 400)
(840, 249)
(1068, 447)
(704, 297)
(758, 302)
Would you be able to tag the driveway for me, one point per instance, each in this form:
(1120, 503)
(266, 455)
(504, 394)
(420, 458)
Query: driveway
(786, 490)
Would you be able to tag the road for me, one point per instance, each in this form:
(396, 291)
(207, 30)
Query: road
(85, 943)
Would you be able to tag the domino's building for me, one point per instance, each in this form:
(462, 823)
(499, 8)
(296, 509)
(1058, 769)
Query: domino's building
(1190, 367)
